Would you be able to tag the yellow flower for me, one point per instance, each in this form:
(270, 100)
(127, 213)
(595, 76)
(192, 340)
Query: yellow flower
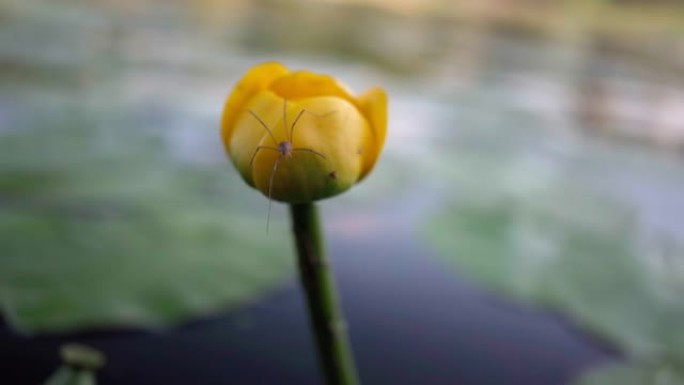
(299, 136)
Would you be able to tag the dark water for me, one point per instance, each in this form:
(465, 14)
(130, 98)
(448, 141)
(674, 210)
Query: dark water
(412, 321)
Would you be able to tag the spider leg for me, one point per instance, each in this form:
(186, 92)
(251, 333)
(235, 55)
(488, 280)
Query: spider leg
(309, 151)
(294, 124)
(256, 151)
(270, 133)
(285, 117)
(270, 190)
(299, 115)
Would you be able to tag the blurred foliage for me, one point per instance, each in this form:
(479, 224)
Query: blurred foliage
(531, 228)
(93, 238)
(79, 364)
(634, 375)
(108, 214)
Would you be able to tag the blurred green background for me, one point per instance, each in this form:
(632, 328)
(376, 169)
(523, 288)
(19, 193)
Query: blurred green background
(534, 146)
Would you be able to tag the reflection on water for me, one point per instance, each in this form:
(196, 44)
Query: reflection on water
(527, 148)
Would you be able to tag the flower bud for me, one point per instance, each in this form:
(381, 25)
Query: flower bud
(299, 136)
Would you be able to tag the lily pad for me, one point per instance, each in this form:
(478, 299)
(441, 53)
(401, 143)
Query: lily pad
(535, 226)
(101, 225)
(634, 375)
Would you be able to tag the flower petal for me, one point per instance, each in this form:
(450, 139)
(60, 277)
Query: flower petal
(304, 84)
(256, 79)
(373, 105)
(300, 136)
(249, 133)
(325, 142)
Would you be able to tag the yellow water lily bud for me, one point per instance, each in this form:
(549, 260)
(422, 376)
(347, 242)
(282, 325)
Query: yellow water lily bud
(299, 136)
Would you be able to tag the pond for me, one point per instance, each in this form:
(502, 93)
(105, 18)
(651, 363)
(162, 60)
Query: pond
(512, 232)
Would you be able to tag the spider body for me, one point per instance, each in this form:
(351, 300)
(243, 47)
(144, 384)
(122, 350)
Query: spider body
(285, 149)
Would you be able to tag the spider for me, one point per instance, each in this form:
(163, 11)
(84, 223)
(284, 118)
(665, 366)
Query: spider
(285, 148)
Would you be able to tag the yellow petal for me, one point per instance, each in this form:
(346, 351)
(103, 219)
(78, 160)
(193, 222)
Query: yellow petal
(299, 136)
(305, 84)
(258, 78)
(249, 133)
(373, 105)
(326, 140)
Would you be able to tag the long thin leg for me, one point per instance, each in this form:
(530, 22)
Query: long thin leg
(285, 120)
(264, 125)
(299, 115)
(270, 190)
(257, 150)
(309, 151)
(294, 124)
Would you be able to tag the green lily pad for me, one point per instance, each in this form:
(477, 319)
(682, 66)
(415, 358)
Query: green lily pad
(634, 375)
(534, 231)
(101, 225)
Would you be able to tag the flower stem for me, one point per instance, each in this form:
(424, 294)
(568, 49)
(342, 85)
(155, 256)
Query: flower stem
(324, 311)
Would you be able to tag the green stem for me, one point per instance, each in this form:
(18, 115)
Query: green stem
(324, 311)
